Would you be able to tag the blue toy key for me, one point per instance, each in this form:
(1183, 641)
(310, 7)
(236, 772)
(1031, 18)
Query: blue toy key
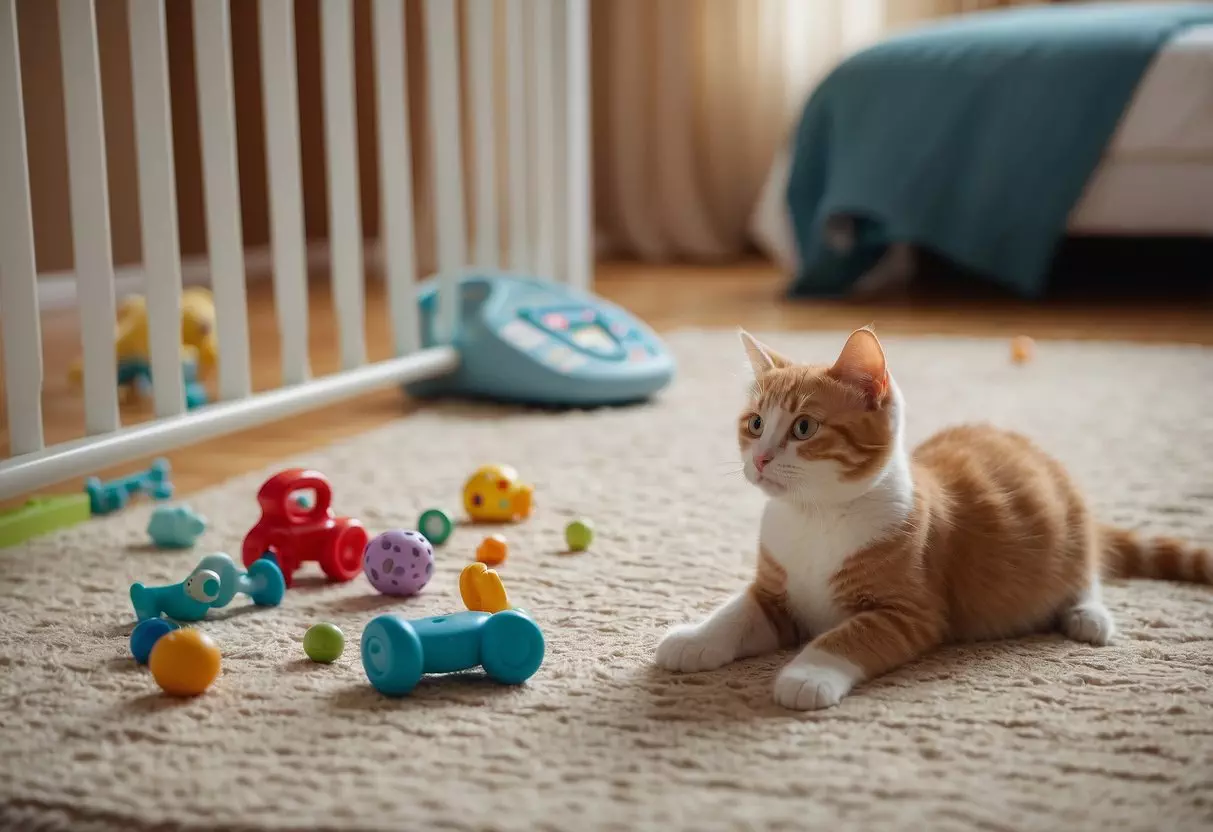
(113, 495)
(213, 583)
(540, 342)
(397, 652)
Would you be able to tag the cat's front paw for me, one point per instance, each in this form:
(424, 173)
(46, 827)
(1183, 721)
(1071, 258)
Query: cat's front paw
(690, 649)
(809, 685)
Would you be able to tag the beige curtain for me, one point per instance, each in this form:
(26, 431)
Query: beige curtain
(693, 99)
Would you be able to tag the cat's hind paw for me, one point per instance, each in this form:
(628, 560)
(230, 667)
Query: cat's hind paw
(1089, 622)
(689, 649)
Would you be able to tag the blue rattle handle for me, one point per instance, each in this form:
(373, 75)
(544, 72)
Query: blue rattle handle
(451, 642)
(247, 584)
(264, 583)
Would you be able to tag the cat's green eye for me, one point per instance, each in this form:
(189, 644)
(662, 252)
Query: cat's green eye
(804, 427)
(755, 425)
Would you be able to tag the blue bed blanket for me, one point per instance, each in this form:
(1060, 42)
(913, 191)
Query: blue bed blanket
(974, 137)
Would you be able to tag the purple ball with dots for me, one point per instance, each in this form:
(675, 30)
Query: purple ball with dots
(399, 562)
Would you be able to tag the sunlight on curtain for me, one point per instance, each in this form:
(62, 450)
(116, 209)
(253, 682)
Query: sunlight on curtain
(695, 98)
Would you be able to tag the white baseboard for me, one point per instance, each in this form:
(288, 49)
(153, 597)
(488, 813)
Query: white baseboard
(57, 290)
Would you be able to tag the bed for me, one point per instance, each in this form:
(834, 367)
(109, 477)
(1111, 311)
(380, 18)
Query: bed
(1157, 173)
(1154, 178)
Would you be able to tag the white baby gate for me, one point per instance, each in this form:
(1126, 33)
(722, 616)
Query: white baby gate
(547, 93)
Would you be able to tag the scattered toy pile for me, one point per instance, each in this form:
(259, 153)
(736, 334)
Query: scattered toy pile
(298, 525)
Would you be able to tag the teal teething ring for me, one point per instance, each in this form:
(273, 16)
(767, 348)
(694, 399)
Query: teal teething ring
(436, 525)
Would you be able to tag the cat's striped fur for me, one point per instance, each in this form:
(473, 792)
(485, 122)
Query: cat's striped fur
(871, 554)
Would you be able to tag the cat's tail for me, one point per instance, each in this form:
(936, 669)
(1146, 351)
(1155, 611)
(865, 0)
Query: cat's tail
(1127, 554)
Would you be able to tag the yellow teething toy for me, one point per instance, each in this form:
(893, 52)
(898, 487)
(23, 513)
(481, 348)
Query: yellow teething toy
(198, 340)
(198, 326)
(482, 590)
(493, 494)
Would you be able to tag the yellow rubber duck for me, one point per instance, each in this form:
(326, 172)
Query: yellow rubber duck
(493, 494)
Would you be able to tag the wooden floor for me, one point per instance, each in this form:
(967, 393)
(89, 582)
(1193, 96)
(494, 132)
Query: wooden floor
(667, 297)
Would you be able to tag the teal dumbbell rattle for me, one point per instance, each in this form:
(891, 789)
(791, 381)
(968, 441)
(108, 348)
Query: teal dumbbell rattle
(397, 652)
(215, 581)
(491, 634)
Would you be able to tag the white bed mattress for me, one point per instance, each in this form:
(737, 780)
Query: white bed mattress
(1156, 177)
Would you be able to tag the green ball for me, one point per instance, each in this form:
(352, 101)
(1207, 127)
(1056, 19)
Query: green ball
(579, 535)
(324, 642)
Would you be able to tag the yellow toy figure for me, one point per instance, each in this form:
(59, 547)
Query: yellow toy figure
(199, 350)
(198, 327)
(481, 589)
(493, 494)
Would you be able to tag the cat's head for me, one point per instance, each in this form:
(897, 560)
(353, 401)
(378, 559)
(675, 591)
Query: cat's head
(819, 433)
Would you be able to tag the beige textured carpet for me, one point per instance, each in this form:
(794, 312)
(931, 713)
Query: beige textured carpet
(1040, 734)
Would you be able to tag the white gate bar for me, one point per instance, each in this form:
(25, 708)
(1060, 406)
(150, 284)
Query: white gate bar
(53, 465)
(276, 19)
(559, 167)
(346, 274)
(544, 119)
(22, 331)
(221, 186)
(578, 185)
(443, 68)
(157, 202)
(482, 69)
(518, 181)
(395, 175)
(90, 212)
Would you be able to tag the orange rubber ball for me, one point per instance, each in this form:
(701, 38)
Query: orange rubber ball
(492, 550)
(1022, 349)
(184, 662)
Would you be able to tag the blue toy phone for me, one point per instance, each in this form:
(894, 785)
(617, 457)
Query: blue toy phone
(537, 342)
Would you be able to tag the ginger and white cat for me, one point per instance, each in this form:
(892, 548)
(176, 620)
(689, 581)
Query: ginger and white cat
(872, 553)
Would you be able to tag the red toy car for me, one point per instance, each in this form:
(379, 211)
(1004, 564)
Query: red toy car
(293, 532)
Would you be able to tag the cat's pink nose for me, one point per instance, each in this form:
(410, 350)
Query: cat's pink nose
(761, 460)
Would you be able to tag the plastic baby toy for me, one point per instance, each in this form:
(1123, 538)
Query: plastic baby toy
(136, 374)
(493, 494)
(199, 348)
(109, 496)
(145, 635)
(175, 527)
(505, 641)
(481, 589)
(214, 582)
(399, 562)
(291, 533)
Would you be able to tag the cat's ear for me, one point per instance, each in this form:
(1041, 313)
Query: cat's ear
(762, 357)
(862, 364)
